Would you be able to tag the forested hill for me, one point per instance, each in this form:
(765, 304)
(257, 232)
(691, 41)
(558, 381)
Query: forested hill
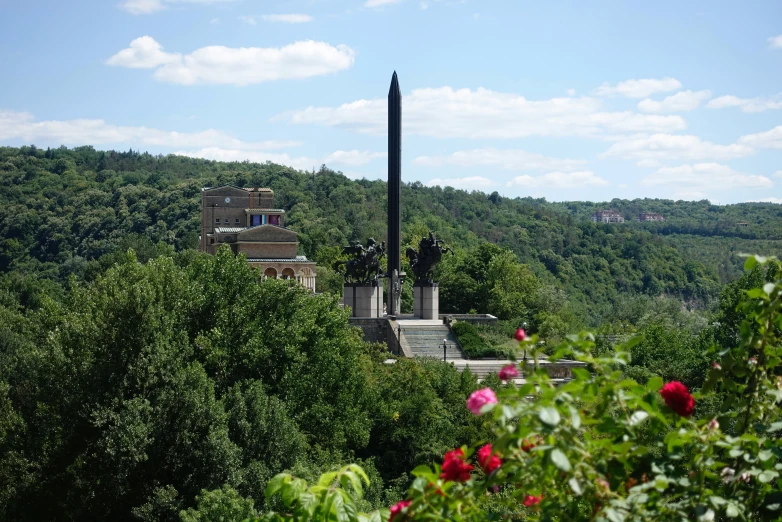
(62, 209)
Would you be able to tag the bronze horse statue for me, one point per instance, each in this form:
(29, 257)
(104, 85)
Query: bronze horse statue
(364, 265)
(430, 252)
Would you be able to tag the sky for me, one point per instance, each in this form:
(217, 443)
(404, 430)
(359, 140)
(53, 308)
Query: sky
(555, 99)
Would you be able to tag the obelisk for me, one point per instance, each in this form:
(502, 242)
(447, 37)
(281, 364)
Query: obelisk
(394, 195)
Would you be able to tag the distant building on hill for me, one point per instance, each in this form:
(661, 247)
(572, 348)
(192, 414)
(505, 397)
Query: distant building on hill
(607, 216)
(246, 220)
(650, 216)
(742, 224)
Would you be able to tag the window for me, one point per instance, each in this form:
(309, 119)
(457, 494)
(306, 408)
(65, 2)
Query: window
(236, 221)
(217, 221)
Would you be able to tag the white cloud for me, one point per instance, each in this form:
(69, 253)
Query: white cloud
(649, 163)
(511, 159)
(705, 176)
(673, 146)
(214, 21)
(142, 6)
(249, 20)
(352, 158)
(152, 6)
(778, 174)
(770, 139)
(689, 195)
(571, 92)
(144, 52)
(23, 126)
(747, 104)
(380, 3)
(563, 180)
(775, 42)
(639, 88)
(469, 183)
(680, 102)
(292, 18)
(445, 112)
(217, 64)
(778, 201)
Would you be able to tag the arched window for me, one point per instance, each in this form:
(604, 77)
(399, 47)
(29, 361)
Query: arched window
(288, 273)
(270, 272)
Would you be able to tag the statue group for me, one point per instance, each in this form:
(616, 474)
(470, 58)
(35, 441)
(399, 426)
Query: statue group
(364, 267)
(430, 252)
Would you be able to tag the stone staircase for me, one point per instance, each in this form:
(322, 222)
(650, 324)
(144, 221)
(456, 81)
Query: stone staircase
(426, 340)
(560, 371)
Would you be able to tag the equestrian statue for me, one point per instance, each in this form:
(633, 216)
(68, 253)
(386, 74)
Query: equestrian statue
(430, 252)
(363, 267)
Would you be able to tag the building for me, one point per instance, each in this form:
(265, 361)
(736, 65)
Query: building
(650, 216)
(246, 220)
(742, 224)
(607, 216)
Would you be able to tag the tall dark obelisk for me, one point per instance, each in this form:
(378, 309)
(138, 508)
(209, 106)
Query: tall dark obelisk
(394, 195)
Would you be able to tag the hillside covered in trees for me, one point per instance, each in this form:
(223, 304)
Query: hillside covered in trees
(62, 210)
(165, 384)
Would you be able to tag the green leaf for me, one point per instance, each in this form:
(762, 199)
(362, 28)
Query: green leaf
(549, 415)
(575, 486)
(575, 418)
(276, 483)
(638, 417)
(732, 511)
(717, 501)
(560, 460)
(654, 384)
(769, 288)
(614, 515)
(749, 264)
(767, 476)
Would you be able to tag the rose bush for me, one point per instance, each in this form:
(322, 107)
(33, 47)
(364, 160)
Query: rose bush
(601, 447)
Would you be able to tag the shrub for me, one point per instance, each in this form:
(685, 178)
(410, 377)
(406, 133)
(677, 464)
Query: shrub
(600, 447)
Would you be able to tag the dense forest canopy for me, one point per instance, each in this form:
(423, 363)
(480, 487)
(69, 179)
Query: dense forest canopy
(142, 380)
(62, 209)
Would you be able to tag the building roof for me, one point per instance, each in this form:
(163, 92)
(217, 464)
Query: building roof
(297, 259)
(264, 210)
(236, 230)
(246, 189)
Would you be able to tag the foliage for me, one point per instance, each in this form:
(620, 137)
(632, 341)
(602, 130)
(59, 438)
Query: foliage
(610, 449)
(62, 210)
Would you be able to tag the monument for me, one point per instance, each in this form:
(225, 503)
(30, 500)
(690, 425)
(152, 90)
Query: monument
(395, 275)
(426, 293)
(362, 272)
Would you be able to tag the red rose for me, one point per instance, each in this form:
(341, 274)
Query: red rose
(532, 500)
(678, 398)
(488, 461)
(397, 508)
(521, 334)
(454, 467)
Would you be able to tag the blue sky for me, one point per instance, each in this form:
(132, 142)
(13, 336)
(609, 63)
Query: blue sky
(561, 100)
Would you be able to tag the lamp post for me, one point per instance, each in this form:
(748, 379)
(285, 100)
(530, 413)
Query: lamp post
(445, 347)
(524, 326)
(398, 339)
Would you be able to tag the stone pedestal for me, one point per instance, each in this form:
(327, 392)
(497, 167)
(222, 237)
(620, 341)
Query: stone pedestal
(426, 301)
(364, 300)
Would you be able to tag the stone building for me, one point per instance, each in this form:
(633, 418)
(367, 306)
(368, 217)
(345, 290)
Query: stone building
(246, 220)
(650, 216)
(607, 216)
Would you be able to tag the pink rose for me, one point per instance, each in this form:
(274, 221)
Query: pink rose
(480, 398)
(398, 508)
(520, 334)
(509, 372)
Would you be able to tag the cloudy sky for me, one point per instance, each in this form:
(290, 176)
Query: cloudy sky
(562, 100)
